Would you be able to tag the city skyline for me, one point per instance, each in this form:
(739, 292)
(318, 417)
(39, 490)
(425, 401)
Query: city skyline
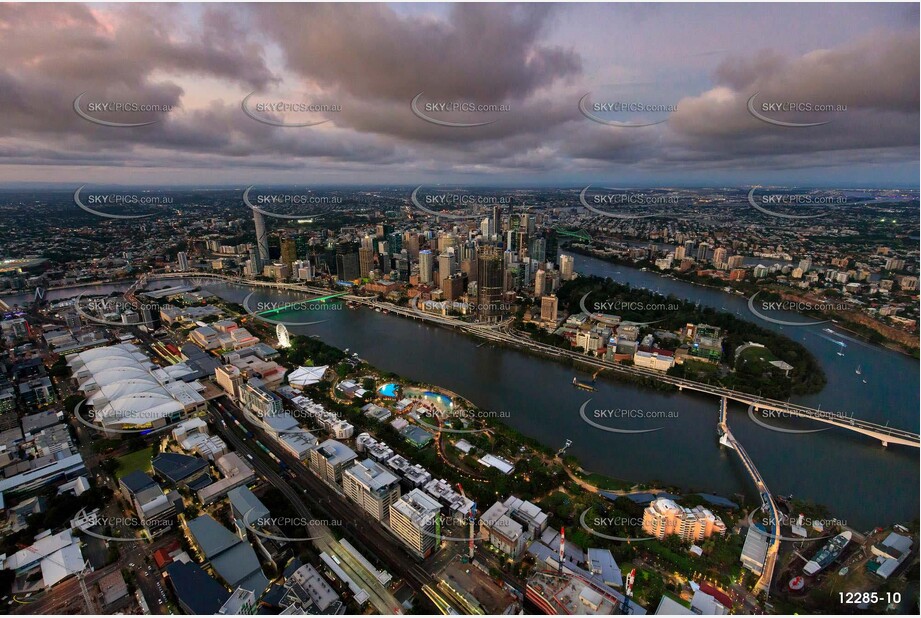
(496, 309)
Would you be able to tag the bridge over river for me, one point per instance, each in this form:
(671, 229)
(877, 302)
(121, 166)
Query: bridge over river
(500, 333)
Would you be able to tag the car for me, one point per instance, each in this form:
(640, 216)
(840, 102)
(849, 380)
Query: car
(250, 456)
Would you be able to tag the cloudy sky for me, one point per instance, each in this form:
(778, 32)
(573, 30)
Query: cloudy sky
(366, 62)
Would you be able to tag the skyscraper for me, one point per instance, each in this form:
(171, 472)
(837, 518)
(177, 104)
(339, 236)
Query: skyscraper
(549, 306)
(497, 219)
(490, 282)
(486, 228)
(445, 266)
(426, 266)
(262, 237)
(538, 249)
(540, 283)
(183, 260)
(567, 265)
(702, 251)
(395, 242)
(719, 257)
(348, 267)
(288, 251)
(365, 261)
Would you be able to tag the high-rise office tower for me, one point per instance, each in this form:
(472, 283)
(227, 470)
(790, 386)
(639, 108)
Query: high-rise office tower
(522, 244)
(426, 266)
(540, 283)
(411, 244)
(183, 260)
(567, 267)
(528, 223)
(256, 262)
(497, 219)
(288, 251)
(446, 266)
(538, 249)
(348, 267)
(486, 228)
(365, 261)
(490, 283)
(549, 307)
(262, 237)
(301, 246)
(401, 264)
(702, 251)
(395, 242)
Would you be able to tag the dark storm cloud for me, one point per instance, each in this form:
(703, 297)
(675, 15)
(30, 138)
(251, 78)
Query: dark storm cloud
(373, 59)
(486, 53)
(876, 78)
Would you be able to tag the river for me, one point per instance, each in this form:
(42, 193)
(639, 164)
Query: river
(862, 483)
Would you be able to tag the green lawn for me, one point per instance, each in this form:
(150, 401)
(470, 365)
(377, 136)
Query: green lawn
(138, 460)
(759, 355)
(603, 482)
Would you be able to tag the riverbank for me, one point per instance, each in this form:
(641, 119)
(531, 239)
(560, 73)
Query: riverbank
(544, 406)
(888, 337)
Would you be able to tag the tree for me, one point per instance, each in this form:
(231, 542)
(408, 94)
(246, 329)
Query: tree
(110, 466)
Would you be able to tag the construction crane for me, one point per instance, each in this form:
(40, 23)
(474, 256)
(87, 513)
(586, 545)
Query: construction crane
(81, 579)
(629, 591)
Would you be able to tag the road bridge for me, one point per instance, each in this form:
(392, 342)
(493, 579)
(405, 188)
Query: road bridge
(885, 434)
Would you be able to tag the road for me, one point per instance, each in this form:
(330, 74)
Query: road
(367, 533)
(325, 541)
(501, 333)
(66, 598)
